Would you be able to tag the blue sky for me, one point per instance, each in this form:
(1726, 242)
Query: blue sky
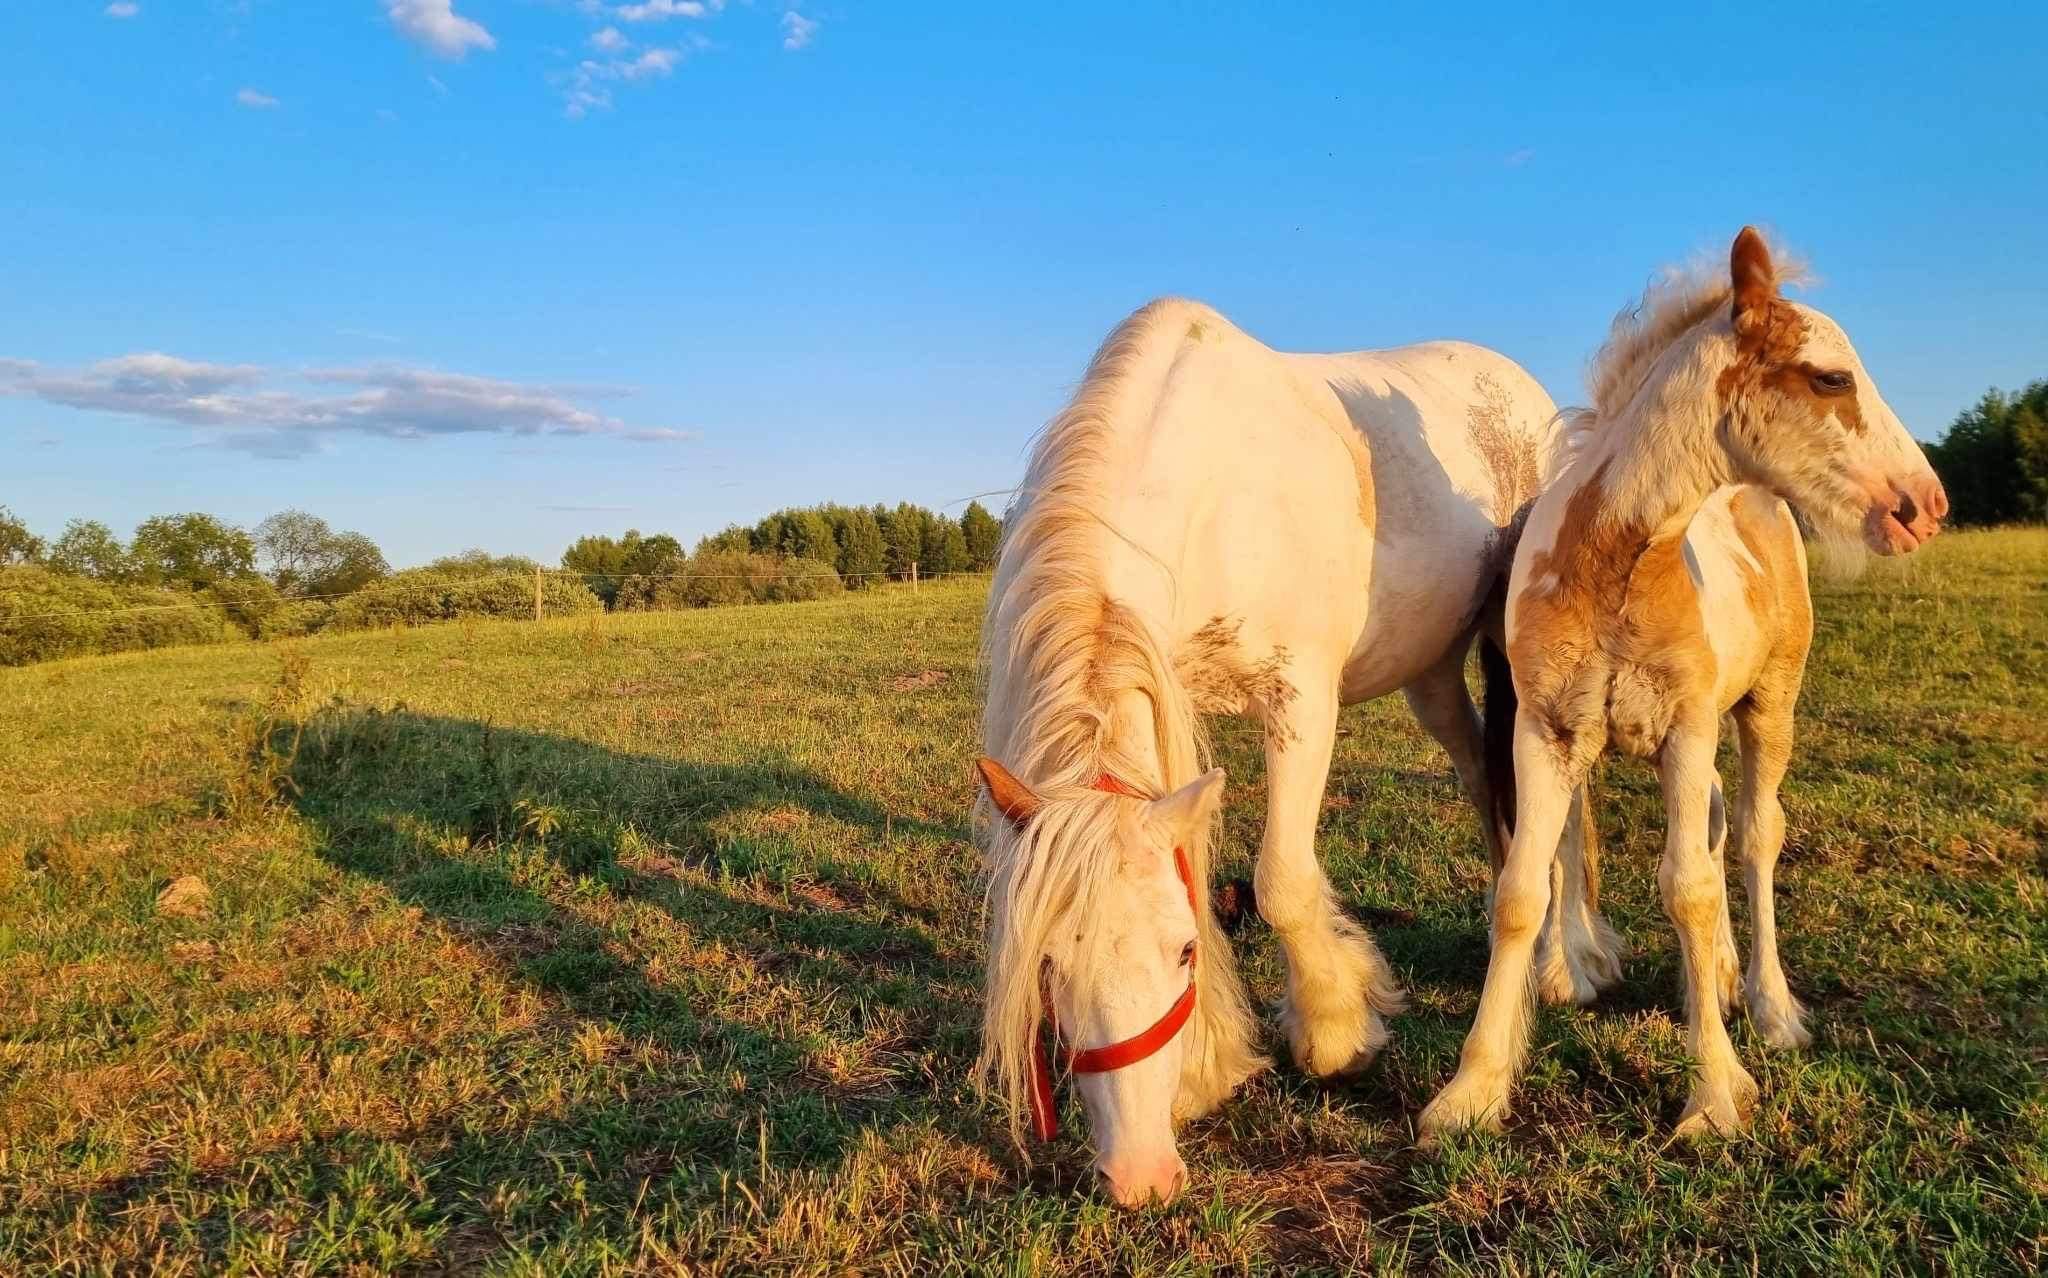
(348, 256)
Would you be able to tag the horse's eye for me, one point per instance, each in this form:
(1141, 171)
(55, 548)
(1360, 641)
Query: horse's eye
(1833, 383)
(1187, 954)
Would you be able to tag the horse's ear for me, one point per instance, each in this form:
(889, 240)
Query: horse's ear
(1754, 278)
(1192, 804)
(1012, 797)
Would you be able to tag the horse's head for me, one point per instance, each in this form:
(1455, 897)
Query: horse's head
(1803, 417)
(1099, 940)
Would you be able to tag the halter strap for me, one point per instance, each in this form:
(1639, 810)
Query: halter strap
(1049, 1050)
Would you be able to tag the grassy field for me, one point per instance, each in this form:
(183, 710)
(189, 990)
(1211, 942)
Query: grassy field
(647, 944)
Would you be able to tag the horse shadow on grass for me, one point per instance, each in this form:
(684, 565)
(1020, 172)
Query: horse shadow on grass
(791, 999)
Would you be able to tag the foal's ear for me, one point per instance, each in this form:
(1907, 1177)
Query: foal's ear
(1012, 797)
(1754, 278)
(1192, 804)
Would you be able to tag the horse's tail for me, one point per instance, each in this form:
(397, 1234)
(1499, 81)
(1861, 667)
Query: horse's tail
(1497, 736)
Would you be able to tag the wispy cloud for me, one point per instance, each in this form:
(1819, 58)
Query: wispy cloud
(122, 9)
(254, 99)
(368, 335)
(663, 10)
(435, 26)
(609, 41)
(439, 87)
(243, 406)
(1516, 159)
(797, 31)
(587, 88)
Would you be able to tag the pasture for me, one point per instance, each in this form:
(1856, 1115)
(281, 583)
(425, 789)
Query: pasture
(647, 943)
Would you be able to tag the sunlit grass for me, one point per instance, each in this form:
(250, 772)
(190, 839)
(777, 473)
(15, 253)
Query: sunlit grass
(647, 942)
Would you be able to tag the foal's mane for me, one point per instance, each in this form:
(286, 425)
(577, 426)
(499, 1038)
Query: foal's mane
(1671, 305)
(1059, 652)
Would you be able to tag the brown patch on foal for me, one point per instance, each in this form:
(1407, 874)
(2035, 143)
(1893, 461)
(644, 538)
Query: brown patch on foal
(1769, 334)
(1609, 642)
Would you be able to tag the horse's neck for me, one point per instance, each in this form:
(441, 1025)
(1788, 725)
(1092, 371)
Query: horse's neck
(1654, 471)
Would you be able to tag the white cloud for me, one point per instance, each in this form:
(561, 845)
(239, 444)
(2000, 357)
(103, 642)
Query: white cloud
(255, 99)
(1516, 159)
(662, 10)
(609, 41)
(435, 25)
(588, 87)
(123, 9)
(241, 407)
(797, 31)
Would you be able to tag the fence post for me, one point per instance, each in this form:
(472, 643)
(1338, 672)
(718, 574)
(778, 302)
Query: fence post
(913, 576)
(536, 592)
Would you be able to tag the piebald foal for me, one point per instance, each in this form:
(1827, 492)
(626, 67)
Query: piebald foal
(1647, 600)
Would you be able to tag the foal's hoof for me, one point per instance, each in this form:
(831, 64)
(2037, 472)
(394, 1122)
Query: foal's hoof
(1782, 1022)
(1722, 1108)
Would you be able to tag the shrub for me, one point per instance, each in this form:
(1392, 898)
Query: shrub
(246, 601)
(295, 619)
(423, 595)
(719, 577)
(83, 623)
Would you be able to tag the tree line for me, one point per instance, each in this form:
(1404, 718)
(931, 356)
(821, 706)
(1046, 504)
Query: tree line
(859, 545)
(194, 578)
(1993, 460)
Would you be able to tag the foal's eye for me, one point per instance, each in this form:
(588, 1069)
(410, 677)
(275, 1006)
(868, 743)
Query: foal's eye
(1834, 383)
(1187, 954)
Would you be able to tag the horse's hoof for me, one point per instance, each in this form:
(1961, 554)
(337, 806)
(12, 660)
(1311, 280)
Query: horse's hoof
(1721, 1108)
(1460, 1109)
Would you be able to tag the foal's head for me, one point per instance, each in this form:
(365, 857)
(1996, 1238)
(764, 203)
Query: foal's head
(1098, 931)
(1801, 415)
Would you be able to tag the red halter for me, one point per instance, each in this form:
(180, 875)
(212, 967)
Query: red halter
(1046, 1053)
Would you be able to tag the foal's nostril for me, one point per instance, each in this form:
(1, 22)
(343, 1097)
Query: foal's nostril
(1907, 511)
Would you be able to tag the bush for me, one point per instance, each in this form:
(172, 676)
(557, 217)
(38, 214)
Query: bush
(84, 625)
(295, 619)
(423, 595)
(247, 602)
(719, 577)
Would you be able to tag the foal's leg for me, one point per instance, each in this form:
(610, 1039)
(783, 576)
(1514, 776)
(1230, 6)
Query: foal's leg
(1727, 963)
(1478, 1095)
(1764, 725)
(1338, 986)
(1696, 898)
(1577, 953)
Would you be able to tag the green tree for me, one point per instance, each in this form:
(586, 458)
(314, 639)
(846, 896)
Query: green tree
(983, 536)
(191, 550)
(862, 552)
(482, 563)
(1993, 459)
(903, 534)
(944, 549)
(17, 544)
(89, 548)
(307, 557)
(806, 534)
(732, 540)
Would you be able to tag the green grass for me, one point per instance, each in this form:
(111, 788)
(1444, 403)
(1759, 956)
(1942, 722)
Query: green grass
(647, 943)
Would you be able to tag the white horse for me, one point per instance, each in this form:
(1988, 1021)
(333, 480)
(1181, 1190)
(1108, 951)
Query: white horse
(1212, 526)
(1645, 604)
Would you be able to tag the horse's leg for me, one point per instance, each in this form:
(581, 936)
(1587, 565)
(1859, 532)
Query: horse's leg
(1339, 989)
(1763, 723)
(1727, 961)
(1444, 708)
(1478, 1095)
(1695, 894)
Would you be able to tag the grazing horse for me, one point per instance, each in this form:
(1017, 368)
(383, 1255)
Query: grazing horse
(1648, 599)
(1215, 527)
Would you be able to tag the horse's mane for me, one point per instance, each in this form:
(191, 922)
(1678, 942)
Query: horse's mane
(1059, 652)
(1671, 305)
